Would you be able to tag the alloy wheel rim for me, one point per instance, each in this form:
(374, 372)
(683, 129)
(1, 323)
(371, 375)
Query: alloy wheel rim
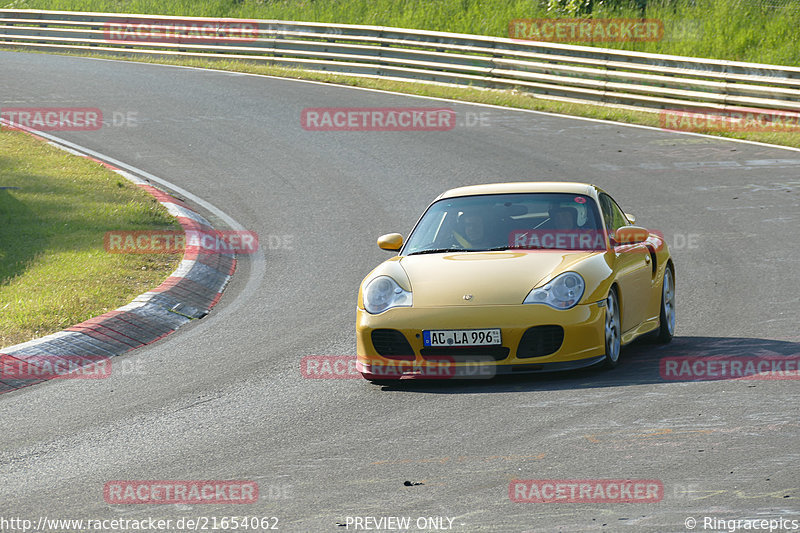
(612, 328)
(669, 302)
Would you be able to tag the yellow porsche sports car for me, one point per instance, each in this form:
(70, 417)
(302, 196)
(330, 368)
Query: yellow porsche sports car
(514, 277)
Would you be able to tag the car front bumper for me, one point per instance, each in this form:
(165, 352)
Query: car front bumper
(583, 339)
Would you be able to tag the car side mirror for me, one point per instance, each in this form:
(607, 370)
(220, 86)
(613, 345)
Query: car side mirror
(391, 241)
(631, 218)
(630, 235)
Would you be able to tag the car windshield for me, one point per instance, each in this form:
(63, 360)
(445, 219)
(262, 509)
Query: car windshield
(508, 221)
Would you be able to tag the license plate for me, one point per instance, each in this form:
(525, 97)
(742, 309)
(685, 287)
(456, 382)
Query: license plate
(461, 337)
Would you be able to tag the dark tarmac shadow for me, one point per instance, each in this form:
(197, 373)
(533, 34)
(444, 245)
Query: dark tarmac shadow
(641, 362)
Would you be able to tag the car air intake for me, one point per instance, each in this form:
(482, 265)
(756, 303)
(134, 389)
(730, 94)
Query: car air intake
(539, 341)
(392, 344)
(472, 353)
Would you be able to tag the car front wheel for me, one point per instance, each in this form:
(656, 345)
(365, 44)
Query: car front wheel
(612, 330)
(666, 318)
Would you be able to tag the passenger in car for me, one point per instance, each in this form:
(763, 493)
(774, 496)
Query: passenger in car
(563, 218)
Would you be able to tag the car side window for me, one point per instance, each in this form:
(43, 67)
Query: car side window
(605, 207)
(612, 214)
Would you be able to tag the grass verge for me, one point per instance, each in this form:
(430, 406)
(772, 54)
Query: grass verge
(54, 271)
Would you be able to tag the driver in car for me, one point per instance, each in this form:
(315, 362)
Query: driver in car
(472, 231)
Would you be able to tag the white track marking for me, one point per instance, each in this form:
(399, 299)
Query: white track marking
(438, 99)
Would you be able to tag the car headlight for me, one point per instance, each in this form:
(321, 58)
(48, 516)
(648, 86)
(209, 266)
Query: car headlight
(383, 293)
(563, 292)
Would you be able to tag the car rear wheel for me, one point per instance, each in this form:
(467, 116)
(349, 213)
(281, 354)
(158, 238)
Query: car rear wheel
(612, 330)
(667, 316)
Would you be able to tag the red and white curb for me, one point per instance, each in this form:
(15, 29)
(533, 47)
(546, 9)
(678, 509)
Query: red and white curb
(188, 293)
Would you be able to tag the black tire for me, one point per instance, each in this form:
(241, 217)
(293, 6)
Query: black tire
(667, 316)
(612, 332)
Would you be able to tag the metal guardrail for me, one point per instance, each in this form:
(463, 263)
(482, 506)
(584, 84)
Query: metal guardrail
(549, 70)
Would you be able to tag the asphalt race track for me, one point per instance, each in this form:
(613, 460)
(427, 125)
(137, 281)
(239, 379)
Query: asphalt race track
(224, 399)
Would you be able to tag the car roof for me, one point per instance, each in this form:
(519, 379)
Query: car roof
(569, 187)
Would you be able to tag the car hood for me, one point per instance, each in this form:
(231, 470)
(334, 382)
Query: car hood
(492, 278)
